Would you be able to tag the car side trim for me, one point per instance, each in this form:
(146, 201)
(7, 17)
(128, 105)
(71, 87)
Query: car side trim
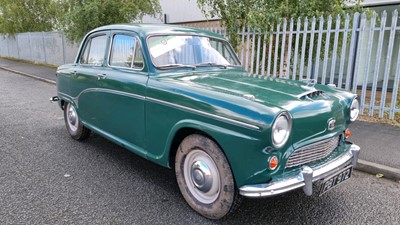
(127, 94)
(221, 118)
(75, 99)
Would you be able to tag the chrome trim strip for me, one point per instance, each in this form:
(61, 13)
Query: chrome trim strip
(141, 97)
(299, 180)
(66, 95)
(221, 118)
(127, 94)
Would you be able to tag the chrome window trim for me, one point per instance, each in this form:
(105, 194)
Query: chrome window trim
(138, 42)
(85, 45)
(186, 34)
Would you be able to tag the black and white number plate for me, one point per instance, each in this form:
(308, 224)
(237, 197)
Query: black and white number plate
(334, 180)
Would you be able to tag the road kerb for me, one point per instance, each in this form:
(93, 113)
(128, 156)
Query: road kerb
(29, 75)
(375, 168)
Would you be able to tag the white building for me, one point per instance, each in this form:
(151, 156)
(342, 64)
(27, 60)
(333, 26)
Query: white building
(178, 11)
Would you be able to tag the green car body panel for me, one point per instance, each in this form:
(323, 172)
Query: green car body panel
(149, 111)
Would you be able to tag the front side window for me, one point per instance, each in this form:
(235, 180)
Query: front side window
(94, 51)
(126, 52)
(169, 50)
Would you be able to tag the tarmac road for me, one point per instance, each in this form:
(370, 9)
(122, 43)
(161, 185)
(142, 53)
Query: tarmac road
(48, 178)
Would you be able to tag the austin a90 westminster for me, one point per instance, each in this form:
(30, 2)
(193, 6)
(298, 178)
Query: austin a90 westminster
(180, 98)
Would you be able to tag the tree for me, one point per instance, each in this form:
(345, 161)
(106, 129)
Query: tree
(85, 15)
(263, 14)
(75, 17)
(28, 15)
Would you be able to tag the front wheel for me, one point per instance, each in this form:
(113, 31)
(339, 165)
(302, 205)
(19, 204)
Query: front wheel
(205, 178)
(74, 126)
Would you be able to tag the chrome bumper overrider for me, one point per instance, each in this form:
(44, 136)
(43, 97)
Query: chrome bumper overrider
(304, 179)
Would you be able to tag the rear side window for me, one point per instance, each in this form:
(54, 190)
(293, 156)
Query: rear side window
(126, 52)
(94, 51)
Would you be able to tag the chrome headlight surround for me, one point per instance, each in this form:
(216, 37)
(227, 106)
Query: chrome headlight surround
(281, 129)
(354, 110)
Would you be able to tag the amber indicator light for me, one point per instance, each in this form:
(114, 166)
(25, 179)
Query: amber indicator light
(273, 163)
(347, 133)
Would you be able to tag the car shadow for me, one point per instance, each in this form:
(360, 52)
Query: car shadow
(290, 208)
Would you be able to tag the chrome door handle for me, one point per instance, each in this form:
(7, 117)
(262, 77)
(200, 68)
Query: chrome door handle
(101, 76)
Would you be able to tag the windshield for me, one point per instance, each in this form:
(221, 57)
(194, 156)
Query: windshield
(190, 51)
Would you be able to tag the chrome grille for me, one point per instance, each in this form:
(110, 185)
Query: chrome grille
(312, 152)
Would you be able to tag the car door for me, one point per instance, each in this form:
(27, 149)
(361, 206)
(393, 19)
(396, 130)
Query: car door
(85, 76)
(122, 90)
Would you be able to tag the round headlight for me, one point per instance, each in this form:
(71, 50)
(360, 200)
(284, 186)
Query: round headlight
(354, 110)
(281, 129)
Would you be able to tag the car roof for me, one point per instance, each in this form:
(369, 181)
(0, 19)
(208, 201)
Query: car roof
(152, 29)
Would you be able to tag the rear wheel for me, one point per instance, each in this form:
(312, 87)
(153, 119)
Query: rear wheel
(74, 126)
(205, 178)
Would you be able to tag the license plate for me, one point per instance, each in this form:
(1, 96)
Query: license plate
(335, 180)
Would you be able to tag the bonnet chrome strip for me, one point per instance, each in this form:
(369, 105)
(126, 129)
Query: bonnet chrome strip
(221, 118)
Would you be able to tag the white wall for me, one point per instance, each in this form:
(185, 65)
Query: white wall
(178, 11)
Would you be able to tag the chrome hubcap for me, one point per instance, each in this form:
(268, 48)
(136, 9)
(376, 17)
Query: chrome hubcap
(202, 176)
(72, 118)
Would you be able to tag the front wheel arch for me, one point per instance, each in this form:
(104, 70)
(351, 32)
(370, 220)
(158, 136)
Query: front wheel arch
(215, 198)
(180, 135)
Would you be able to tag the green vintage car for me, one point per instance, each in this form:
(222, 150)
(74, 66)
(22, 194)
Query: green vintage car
(179, 97)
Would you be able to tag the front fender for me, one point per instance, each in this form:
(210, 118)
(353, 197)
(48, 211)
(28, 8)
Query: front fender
(246, 152)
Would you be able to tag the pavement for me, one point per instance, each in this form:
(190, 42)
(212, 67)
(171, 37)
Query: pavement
(379, 143)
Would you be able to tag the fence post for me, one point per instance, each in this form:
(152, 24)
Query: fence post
(263, 56)
(270, 51)
(303, 49)
(377, 63)
(310, 50)
(44, 48)
(343, 55)
(63, 47)
(276, 49)
(296, 48)
(388, 61)
(283, 48)
(253, 43)
(247, 48)
(326, 52)
(30, 47)
(16, 40)
(320, 29)
(369, 54)
(334, 51)
(258, 53)
(8, 45)
(242, 52)
(352, 49)
(289, 49)
(358, 52)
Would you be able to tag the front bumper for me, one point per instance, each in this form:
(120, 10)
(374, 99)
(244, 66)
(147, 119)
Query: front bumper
(304, 179)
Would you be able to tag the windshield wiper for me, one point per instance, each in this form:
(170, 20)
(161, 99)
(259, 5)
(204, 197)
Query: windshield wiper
(168, 66)
(212, 64)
